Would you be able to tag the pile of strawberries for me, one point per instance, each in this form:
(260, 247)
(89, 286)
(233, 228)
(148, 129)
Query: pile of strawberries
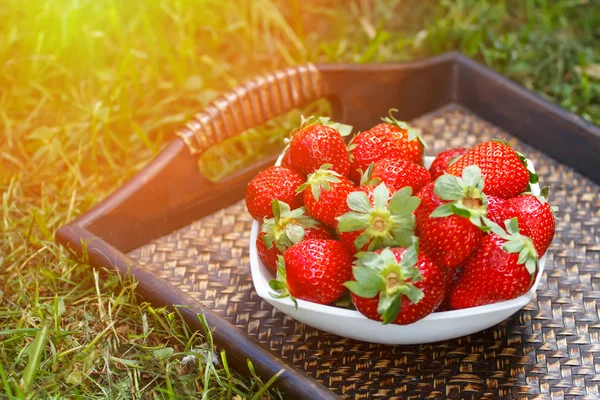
(369, 220)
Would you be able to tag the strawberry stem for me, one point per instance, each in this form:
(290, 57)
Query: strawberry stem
(320, 181)
(279, 284)
(464, 195)
(287, 227)
(516, 243)
(412, 133)
(381, 274)
(386, 223)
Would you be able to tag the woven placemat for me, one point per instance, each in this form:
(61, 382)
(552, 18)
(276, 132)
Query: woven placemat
(550, 349)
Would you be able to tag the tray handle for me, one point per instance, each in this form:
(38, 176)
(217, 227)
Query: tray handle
(252, 104)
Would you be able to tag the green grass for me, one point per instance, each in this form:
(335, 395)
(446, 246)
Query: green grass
(91, 89)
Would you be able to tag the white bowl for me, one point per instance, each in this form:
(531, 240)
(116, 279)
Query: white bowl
(435, 327)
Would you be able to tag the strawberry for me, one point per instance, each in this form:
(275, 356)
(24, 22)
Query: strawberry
(323, 192)
(536, 219)
(396, 285)
(412, 142)
(443, 160)
(501, 269)
(397, 174)
(316, 143)
(499, 210)
(370, 146)
(286, 160)
(285, 229)
(505, 173)
(373, 218)
(449, 217)
(273, 183)
(313, 270)
(429, 202)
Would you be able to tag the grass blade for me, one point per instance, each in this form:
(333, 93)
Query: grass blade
(35, 351)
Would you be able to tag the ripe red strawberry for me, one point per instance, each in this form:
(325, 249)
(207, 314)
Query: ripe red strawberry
(499, 210)
(396, 285)
(503, 268)
(505, 174)
(286, 160)
(273, 183)
(373, 218)
(373, 145)
(443, 160)
(313, 270)
(449, 217)
(536, 219)
(412, 142)
(323, 192)
(429, 202)
(397, 174)
(316, 143)
(285, 229)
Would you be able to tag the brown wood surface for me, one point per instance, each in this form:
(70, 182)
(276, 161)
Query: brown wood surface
(170, 192)
(559, 133)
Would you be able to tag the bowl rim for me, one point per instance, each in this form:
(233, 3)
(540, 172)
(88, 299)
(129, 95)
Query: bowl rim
(260, 280)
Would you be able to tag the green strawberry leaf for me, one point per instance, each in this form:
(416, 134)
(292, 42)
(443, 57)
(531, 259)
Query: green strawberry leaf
(516, 243)
(472, 175)
(513, 247)
(512, 226)
(412, 133)
(544, 192)
(523, 255)
(279, 284)
(267, 241)
(365, 177)
(411, 255)
(367, 259)
(359, 201)
(531, 266)
(381, 195)
(389, 307)
(276, 209)
(379, 242)
(295, 233)
(320, 181)
(403, 233)
(476, 220)
(368, 277)
(368, 282)
(383, 224)
(448, 187)
(414, 294)
(353, 221)
(359, 290)
(363, 239)
(444, 210)
(460, 211)
(276, 285)
(533, 177)
(402, 202)
(343, 129)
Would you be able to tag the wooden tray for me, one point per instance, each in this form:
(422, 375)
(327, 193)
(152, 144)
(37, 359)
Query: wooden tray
(185, 238)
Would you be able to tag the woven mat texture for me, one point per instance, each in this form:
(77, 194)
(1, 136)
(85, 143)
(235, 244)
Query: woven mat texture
(550, 349)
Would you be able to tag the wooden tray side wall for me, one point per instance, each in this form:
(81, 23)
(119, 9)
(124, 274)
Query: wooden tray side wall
(170, 192)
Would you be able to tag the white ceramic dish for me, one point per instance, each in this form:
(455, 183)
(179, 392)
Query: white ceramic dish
(352, 324)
